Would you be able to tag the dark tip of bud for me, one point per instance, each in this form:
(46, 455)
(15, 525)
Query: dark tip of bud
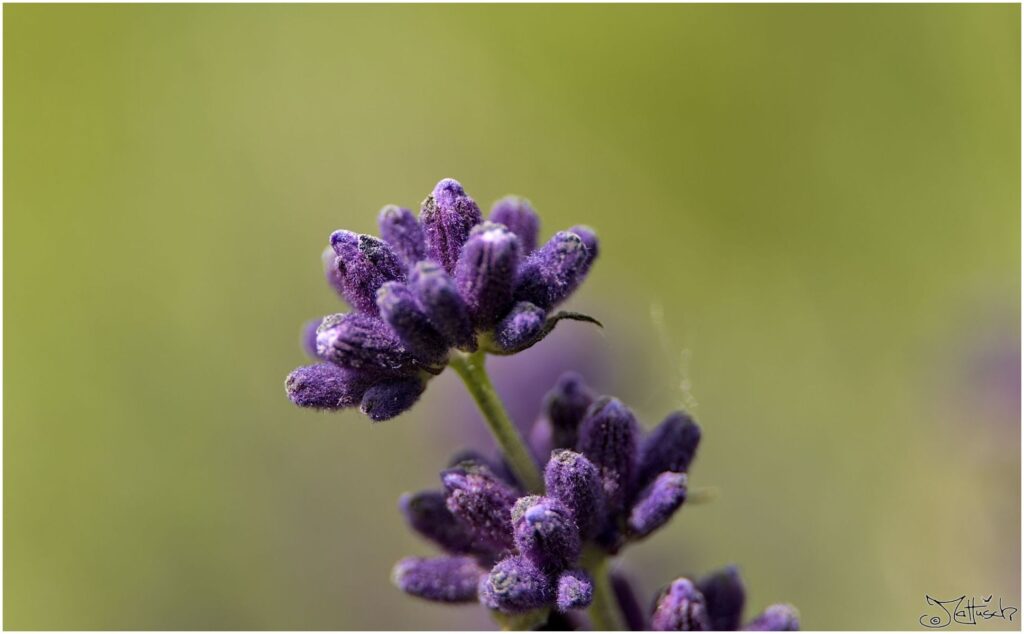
(680, 608)
(575, 591)
(589, 238)
(518, 215)
(388, 399)
(725, 596)
(442, 579)
(658, 503)
(565, 406)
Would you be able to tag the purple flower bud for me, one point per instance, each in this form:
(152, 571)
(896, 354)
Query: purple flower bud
(482, 502)
(545, 532)
(515, 584)
(486, 272)
(400, 229)
(439, 298)
(389, 398)
(680, 608)
(565, 405)
(626, 598)
(553, 272)
(326, 386)
(780, 617)
(590, 239)
(520, 327)
(399, 309)
(427, 513)
(309, 336)
(358, 341)
(364, 263)
(443, 579)
(608, 437)
(447, 216)
(724, 597)
(575, 591)
(669, 447)
(575, 481)
(518, 215)
(657, 503)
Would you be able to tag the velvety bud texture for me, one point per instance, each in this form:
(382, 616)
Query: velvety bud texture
(430, 285)
(575, 591)
(442, 579)
(516, 585)
(657, 503)
(724, 596)
(680, 609)
(780, 617)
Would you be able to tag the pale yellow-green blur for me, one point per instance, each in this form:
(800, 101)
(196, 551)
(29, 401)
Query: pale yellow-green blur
(810, 223)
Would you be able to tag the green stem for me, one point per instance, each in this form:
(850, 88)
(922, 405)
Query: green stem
(603, 610)
(470, 367)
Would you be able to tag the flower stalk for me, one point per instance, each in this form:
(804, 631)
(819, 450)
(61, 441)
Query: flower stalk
(470, 368)
(603, 611)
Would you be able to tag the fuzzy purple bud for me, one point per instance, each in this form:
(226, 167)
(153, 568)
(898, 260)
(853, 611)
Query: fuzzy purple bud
(545, 532)
(608, 437)
(518, 215)
(447, 216)
(486, 271)
(514, 585)
(575, 591)
(565, 405)
(658, 503)
(575, 481)
(326, 386)
(780, 617)
(400, 229)
(389, 398)
(359, 341)
(427, 513)
(724, 596)
(520, 328)
(553, 272)
(670, 446)
(443, 579)
(308, 339)
(398, 307)
(680, 608)
(364, 263)
(439, 298)
(482, 502)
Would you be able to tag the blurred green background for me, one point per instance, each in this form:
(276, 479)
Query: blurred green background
(810, 219)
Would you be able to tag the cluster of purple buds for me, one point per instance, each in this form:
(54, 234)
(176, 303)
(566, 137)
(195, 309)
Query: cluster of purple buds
(447, 280)
(606, 485)
(715, 603)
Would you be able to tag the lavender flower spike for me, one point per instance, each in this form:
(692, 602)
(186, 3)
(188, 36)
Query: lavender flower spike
(780, 617)
(486, 272)
(482, 502)
(658, 503)
(388, 399)
(518, 215)
(364, 263)
(400, 229)
(575, 590)
(554, 271)
(608, 437)
(442, 579)
(515, 585)
(680, 609)
(577, 483)
(725, 596)
(447, 216)
(326, 386)
(545, 532)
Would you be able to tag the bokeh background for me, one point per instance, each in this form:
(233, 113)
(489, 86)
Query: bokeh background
(810, 219)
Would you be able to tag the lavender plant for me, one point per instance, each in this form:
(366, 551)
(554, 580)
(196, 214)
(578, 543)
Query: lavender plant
(532, 544)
